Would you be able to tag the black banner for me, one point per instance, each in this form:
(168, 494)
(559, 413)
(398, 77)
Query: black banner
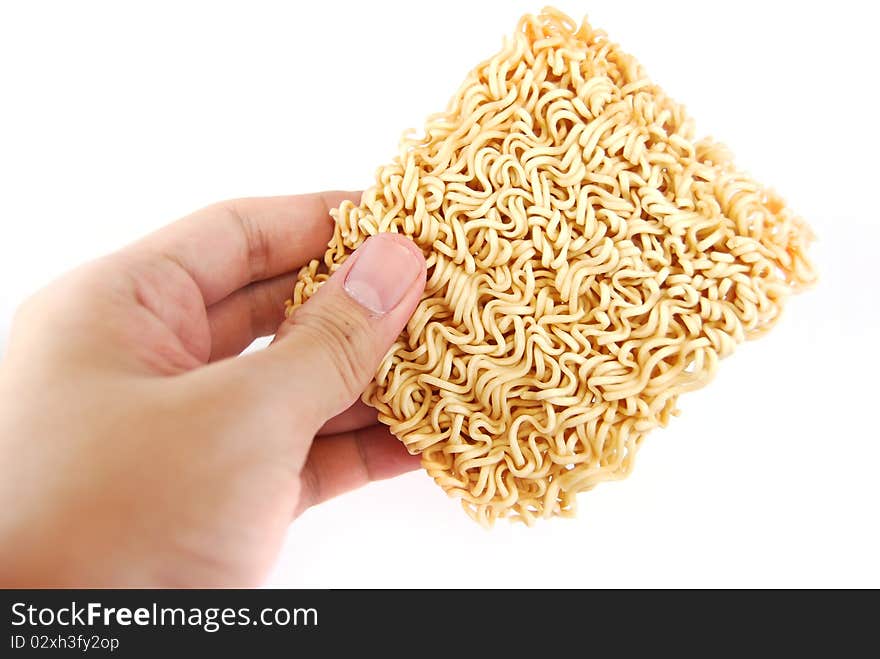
(134, 623)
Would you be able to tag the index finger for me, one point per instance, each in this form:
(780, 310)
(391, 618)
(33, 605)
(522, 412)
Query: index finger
(233, 243)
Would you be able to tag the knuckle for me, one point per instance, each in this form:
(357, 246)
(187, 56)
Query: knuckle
(74, 307)
(77, 293)
(364, 456)
(261, 298)
(258, 245)
(346, 339)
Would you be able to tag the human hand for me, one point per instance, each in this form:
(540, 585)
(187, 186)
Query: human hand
(134, 451)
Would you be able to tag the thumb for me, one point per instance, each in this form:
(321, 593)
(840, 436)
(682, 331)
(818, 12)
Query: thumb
(328, 350)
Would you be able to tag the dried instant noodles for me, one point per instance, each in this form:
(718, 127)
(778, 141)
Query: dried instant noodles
(589, 261)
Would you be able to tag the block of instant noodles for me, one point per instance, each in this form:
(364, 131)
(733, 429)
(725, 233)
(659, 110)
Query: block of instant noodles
(589, 260)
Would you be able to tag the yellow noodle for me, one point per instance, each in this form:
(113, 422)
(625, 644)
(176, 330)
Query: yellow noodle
(588, 261)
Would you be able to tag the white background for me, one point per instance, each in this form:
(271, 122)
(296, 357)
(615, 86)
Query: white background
(117, 118)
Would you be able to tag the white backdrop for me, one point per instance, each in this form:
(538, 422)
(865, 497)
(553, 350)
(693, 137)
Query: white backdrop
(115, 120)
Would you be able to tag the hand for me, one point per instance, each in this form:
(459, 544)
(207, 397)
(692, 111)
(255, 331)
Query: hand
(134, 451)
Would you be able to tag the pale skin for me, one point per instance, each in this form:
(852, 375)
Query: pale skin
(138, 449)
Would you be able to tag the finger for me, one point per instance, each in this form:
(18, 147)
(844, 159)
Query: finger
(359, 415)
(249, 313)
(344, 462)
(231, 244)
(327, 351)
